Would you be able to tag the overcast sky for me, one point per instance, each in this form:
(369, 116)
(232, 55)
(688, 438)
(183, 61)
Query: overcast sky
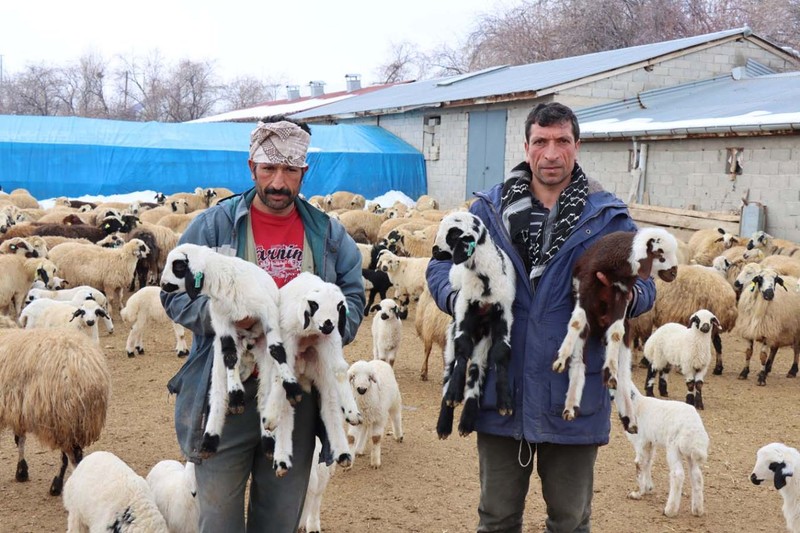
(293, 40)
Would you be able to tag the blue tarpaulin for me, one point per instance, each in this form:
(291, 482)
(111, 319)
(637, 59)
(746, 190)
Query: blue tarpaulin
(70, 156)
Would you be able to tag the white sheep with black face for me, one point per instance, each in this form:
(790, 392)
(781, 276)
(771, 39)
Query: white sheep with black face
(480, 334)
(236, 290)
(81, 313)
(313, 317)
(778, 462)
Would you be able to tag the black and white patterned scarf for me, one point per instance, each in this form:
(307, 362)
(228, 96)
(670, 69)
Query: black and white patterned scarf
(523, 215)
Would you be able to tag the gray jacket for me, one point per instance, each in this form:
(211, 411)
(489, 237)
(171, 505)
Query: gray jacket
(223, 227)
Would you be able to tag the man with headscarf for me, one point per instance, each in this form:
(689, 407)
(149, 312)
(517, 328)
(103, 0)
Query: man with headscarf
(269, 225)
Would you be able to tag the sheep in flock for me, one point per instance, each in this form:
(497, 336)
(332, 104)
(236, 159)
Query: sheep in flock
(18, 274)
(80, 313)
(432, 325)
(480, 333)
(677, 427)
(768, 316)
(378, 397)
(105, 494)
(706, 244)
(686, 349)
(142, 312)
(236, 289)
(602, 279)
(54, 384)
(772, 246)
(387, 331)
(313, 315)
(174, 489)
(777, 462)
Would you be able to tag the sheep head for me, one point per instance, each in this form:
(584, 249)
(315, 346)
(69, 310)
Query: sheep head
(760, 239)
(655, 250)
(704, 320)
(459, 233)
(771, 463)
(183, 270)
(323, 308)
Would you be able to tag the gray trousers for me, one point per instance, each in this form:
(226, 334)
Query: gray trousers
(566, 472)
(275, 503)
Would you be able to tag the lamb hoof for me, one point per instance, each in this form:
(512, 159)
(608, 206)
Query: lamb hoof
(209, 445)
(718, 370)
(762, 379)
(131, 354)
(792, 371)
(444, 427)
(353, 418)
(744, 373)
(183, 353)
(139, 350)
(648, 391)
(56, 486)
(22, 471)
(698, 404)
(559, 365)
(469, 414)
(282, 468)
(236, 402)
(294, 392)
(662, 388)
(423, 376)
(268, 447)
(635, 495)
(690, 398)
(345, 460)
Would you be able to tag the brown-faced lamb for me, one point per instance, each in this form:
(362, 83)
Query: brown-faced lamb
(54, 384)
(480, 333)
(603, 278)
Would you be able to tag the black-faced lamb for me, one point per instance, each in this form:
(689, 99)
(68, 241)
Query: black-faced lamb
(79, 313)
(236, 289)
(387, 331)
(174, 489)
(480, 334)
(678, 428)
(143, 311)
(313, 314)
(602, 280)
(105, 494)
(54, 384)
(378, 397)
(65, 295)
(688, 349)
(778, 463)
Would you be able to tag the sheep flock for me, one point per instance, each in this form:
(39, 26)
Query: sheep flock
(132, 415)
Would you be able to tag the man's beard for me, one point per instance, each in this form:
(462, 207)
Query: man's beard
(279, 203)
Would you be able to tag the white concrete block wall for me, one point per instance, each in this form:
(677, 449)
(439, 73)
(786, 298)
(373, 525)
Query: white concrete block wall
(691, 174)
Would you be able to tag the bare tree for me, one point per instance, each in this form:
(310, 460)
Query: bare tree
(190, 92)
(34, 91)
(244, 92)
(405, 63)
(143, 92)
(82, 88)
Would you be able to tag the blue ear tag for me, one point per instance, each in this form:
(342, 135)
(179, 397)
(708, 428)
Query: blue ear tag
(470, 249)
(198, 278)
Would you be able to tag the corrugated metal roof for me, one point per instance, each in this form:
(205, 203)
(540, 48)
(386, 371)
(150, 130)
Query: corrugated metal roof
(717, 106)
(510, 80)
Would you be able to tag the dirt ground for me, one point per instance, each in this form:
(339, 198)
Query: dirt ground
(431, 486)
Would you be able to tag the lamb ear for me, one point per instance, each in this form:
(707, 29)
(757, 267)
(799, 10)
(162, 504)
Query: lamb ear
(306, 319)
(43, 274)
(313, 307)
(193, 282)
(342, 319)
(76, 314)
(780, 474)
(779, 281)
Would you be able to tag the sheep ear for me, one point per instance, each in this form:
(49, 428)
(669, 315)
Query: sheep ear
(716, 323)
(721, 231)
(342, 318)
(43, 274)
(76, 314)
(312, 307)
(779, 281)
(375, 307)
(372, 377)
(692, 321)
(463, 250)
(306, 319)
(194, 283)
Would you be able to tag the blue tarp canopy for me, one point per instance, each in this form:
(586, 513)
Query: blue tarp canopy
(70, 156)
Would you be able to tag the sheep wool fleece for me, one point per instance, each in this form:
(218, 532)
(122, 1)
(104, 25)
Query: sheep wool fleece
(337, 260)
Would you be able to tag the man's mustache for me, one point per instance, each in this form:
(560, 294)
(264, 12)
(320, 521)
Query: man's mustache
(284, 191)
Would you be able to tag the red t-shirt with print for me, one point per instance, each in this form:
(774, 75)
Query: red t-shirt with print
(279, 244)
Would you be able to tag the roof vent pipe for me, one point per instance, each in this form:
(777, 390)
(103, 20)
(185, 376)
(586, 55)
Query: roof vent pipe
(292, 92)
(317, 88)
(353, 82)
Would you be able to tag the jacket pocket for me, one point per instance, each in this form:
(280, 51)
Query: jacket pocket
(592, 399)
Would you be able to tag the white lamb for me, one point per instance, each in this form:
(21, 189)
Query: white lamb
(378, 397)
(387, 330)
(105, 494)
(236, 289)
(686, 348)
(80, 313)
(677, 427)
(174, 490)
(66, 295)
(144, 311)
(313, 317)
(407, 274)
(480, 334)
(317, 483)
(778, 462)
